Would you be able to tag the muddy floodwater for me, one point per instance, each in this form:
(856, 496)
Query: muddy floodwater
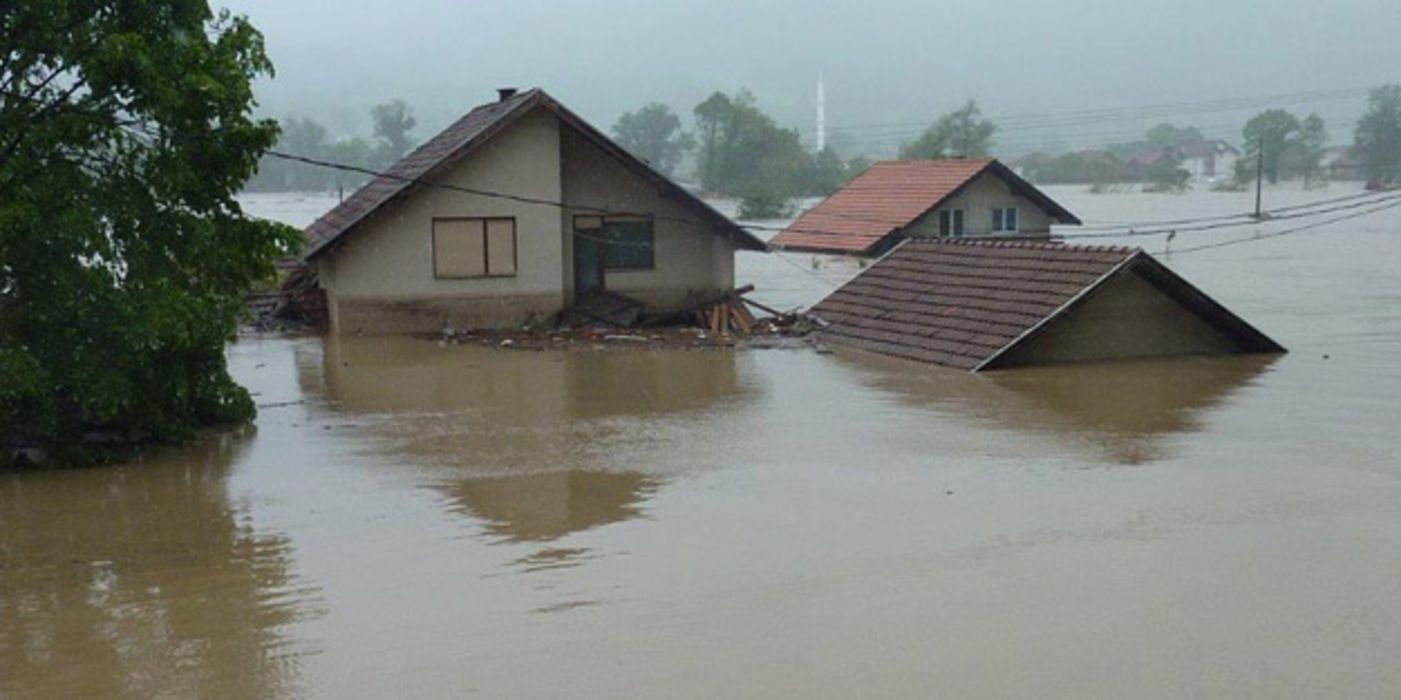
(413, 521)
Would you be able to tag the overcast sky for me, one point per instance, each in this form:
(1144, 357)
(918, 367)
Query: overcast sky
(886, 62)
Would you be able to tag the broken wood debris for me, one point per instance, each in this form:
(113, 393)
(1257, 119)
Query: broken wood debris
(729, 315)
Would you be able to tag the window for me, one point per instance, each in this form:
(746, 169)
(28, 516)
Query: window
(479, 247)
(1004, 219)
(630, 244)
(951, 222)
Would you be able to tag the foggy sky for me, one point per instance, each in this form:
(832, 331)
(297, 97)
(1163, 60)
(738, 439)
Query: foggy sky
(885, 62)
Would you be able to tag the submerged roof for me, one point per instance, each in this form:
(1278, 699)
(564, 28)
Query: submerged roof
(965, 303)
(893, 194)
(464, 135)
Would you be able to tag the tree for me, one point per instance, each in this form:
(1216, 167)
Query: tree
(1271, 130)
(125, 133)
(653, 133)
(1165, 135)
(1307, 148)
(393, 121)
(304, 137)
(856, 165)
(1082, 167)
(1377, 140)
(1166, 174)
(742, 151)
(960, 133)
(829, 173)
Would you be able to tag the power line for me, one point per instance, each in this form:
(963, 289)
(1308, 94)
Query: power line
(1285, 232)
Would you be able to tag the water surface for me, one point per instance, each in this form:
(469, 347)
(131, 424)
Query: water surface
(410, 520)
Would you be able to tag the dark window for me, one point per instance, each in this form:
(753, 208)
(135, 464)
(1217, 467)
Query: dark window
(1004, 219)
(951, 222)
(631, 245)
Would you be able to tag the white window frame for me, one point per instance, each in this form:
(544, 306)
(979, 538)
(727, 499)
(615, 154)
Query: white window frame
(952, 216)
(1016, 218)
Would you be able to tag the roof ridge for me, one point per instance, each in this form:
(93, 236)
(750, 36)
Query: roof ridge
(1026, 244)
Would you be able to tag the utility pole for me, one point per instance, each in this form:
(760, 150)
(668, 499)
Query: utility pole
(821, 115)
(1259, 170)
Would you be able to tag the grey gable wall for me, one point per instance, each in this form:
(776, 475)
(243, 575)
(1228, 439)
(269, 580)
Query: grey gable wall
(379, 278)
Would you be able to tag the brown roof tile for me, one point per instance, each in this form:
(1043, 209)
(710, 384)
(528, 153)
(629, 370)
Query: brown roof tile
(467, 132)
(959, 302)
(415, 165)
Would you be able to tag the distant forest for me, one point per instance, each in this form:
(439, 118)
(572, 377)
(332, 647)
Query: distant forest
(735, 149)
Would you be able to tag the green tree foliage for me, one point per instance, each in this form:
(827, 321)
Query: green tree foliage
(1166, 174)
(393, 121)
(302, 136)
(742, 152)
(1307, 148)
(305, 136)
(856, 165)
(126, 129)
(829, 173)
(653, 133)
(960, 133)
(1165, 135)
(1079, 167)
(1274, 131)
(1377, 139)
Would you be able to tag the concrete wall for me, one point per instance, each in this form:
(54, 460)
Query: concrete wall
(688, 257)
(977, 201)
(380, 279)
(1126, 318)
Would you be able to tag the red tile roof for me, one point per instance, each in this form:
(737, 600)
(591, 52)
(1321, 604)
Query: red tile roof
(473, 129)
(891, 195)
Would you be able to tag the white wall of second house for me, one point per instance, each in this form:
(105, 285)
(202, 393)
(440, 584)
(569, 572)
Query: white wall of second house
(977, 200)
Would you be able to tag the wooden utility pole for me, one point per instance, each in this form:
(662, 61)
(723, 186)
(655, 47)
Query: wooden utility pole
(1259, 170)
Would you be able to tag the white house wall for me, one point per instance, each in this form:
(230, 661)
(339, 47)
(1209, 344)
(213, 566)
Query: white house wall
(977, 200)
(689, 256)
(380, 279)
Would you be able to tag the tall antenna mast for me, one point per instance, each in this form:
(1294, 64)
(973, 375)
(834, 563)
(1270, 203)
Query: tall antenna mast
(821, 116)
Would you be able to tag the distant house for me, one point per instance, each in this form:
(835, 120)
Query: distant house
(1340, 163)
(508, 215)
(981, 305)
(1208, 160)
(900, 199)
(1205, 161)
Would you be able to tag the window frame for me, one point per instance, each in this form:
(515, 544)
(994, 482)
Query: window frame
(1006, 219)
(952, 223)
(486, 247)
(601, 232)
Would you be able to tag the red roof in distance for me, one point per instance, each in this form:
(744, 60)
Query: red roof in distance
(891, 195)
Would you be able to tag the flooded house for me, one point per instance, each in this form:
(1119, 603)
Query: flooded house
(943, 198)
(1209, 159)
(983, 305)
(508, 216)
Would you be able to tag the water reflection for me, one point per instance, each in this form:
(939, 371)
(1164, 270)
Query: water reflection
(143, 581)
(533, 446)
(1121, 411)
(545, 507)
